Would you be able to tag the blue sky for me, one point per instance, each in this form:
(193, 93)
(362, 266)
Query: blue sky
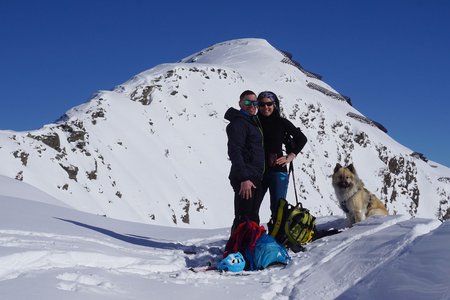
(391, 57)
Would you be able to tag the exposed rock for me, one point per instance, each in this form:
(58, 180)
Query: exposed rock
(400, 177)
(93, 174)
(185, 217)
(99, 113)
(51, 140)
(444, 179)
(74, 135)
(362, 139)
(174, 217)
(199, 205)
(288, 60)
(444, 204)
(382, 153)
(71, 170)
(61, 155)
(19, 176)
(419, 155)
(329, 93)
(22, 155)
(366, 120)
(142, 94)
(446, 216)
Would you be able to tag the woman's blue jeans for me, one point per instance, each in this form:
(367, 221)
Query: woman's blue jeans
(277, 183)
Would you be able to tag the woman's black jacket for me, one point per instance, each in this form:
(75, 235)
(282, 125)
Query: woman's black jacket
(278, 131)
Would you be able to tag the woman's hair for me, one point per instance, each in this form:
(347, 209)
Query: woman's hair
(271, 96)
(274, 98)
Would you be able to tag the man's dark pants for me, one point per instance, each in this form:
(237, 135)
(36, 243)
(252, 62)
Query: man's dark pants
(246, 209)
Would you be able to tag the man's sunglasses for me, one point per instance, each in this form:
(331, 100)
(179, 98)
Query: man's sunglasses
(250, 102)
(262, 104)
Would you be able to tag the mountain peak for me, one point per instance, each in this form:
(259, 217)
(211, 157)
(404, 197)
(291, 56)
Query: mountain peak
(235, 52)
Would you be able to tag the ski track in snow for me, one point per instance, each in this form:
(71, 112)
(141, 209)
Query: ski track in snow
(30, 252)
(18, 238)
(290, 286)
(35, 251)
(90, 283)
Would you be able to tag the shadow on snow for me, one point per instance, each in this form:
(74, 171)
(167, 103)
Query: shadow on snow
(195, 255)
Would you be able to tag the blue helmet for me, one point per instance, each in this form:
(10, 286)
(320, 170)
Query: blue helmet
(234, 262)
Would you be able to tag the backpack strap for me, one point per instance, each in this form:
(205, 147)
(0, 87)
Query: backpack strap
(291, 171)
(278, 219)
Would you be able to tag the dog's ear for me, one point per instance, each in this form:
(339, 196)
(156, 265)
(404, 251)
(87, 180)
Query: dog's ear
(337, 168)
(352, 169)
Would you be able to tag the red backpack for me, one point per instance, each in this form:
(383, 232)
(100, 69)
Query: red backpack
(243, 239)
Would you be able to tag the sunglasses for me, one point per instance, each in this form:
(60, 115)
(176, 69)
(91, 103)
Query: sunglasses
(262, 104)
(250, 102)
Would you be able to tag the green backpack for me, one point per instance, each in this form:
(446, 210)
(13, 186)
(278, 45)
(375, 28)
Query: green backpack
(293, 226)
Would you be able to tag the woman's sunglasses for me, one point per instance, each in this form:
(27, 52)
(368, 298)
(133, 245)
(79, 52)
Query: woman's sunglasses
(262, 104)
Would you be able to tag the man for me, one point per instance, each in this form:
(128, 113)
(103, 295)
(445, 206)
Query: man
(246, 152)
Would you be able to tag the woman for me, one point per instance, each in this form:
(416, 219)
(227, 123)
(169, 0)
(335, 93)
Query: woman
(276, 129)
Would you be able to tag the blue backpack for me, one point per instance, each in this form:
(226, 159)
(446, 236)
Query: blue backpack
(268, 252)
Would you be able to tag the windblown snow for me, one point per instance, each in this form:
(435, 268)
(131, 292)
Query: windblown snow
(120, 196)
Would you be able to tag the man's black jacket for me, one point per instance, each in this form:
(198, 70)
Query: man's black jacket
(245, 146)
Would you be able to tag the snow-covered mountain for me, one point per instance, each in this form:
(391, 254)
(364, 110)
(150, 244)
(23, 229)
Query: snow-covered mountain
(153, 150)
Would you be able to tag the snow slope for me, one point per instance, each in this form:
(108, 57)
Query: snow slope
(153, 150)
(52, 252)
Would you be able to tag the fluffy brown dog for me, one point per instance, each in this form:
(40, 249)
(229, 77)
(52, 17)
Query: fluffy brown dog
(355, 200)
